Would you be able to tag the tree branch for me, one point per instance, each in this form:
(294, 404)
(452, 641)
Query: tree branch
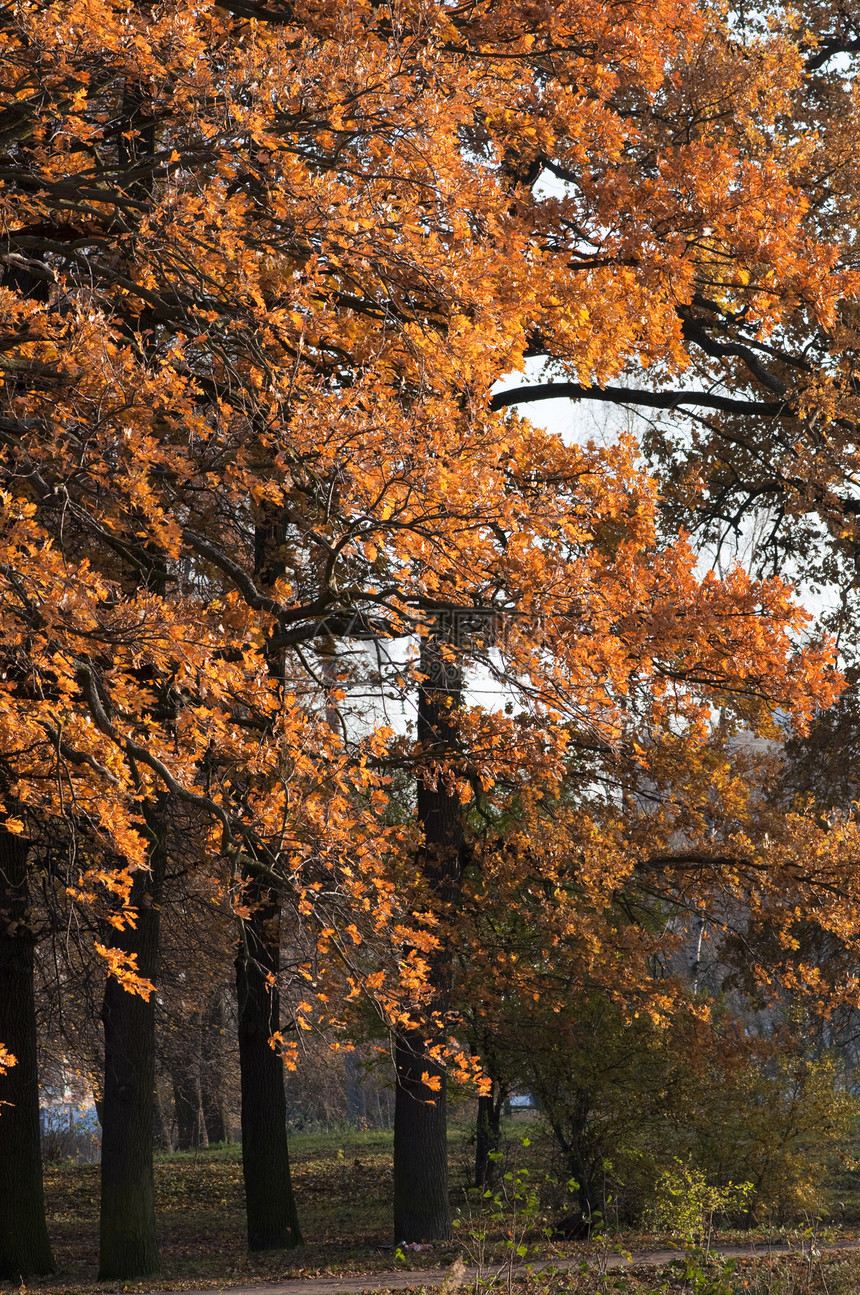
(629, 396)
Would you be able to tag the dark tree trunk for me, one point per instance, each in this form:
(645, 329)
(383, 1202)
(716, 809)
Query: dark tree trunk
(212, 1071)
(190, 1124)
(580, 1166)
(129, 1249)
(24, 1245)
(487, 1139)
(273, 1222)
(187, 1094)
(161, 1129)
(272, 1218)
(215, 1117)
(421, 1209)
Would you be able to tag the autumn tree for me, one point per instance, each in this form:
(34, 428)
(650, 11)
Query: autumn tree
(753, 432)
(584, 982)
(128, 1237)
(272, 1216)
(273, 1221)
(261, 270)
(24, 1244)
(756, 444)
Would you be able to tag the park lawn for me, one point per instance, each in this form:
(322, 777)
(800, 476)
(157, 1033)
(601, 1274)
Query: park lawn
(342, 1184)
(343, 1187)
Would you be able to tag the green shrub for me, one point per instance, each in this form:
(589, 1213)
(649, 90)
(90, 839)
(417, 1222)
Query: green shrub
(626, 1100)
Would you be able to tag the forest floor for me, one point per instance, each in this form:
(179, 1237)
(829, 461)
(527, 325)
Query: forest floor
(342, 1184)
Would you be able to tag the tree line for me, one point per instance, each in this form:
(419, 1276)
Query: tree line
(266, 520)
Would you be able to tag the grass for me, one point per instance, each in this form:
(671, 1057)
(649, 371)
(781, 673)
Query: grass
(340, 1185)
(343, 1188)
(832, 1275)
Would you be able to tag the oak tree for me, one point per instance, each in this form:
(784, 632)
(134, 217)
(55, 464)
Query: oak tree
(262, 266)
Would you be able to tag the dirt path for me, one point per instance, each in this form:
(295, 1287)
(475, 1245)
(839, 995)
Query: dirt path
(429, 1277)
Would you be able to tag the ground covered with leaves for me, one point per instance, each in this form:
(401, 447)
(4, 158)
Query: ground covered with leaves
(342, 1183)
(804, 1273)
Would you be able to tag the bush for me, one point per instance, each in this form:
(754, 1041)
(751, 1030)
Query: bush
(627, 1100)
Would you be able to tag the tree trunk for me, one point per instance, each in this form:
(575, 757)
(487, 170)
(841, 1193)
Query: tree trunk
(187, 1093)
(487, 1138)
(215, 1113)
(129, 1249)
(162, 1139)
(421, 1208)
(215, 1117)
(272, 1218)
(24, 1245)
(190, 1124)
(588, 1195)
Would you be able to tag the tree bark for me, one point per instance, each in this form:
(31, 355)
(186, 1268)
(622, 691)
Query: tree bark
(273, 1222)
(190, 1124)
(421, 1207)
(272, 1217)
(129, 1248)
(162, 1139)
(215, 1116)
(24, 1245)
(215, 1112)
(572, 1142)
(487, 1138)
(187, 1092)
